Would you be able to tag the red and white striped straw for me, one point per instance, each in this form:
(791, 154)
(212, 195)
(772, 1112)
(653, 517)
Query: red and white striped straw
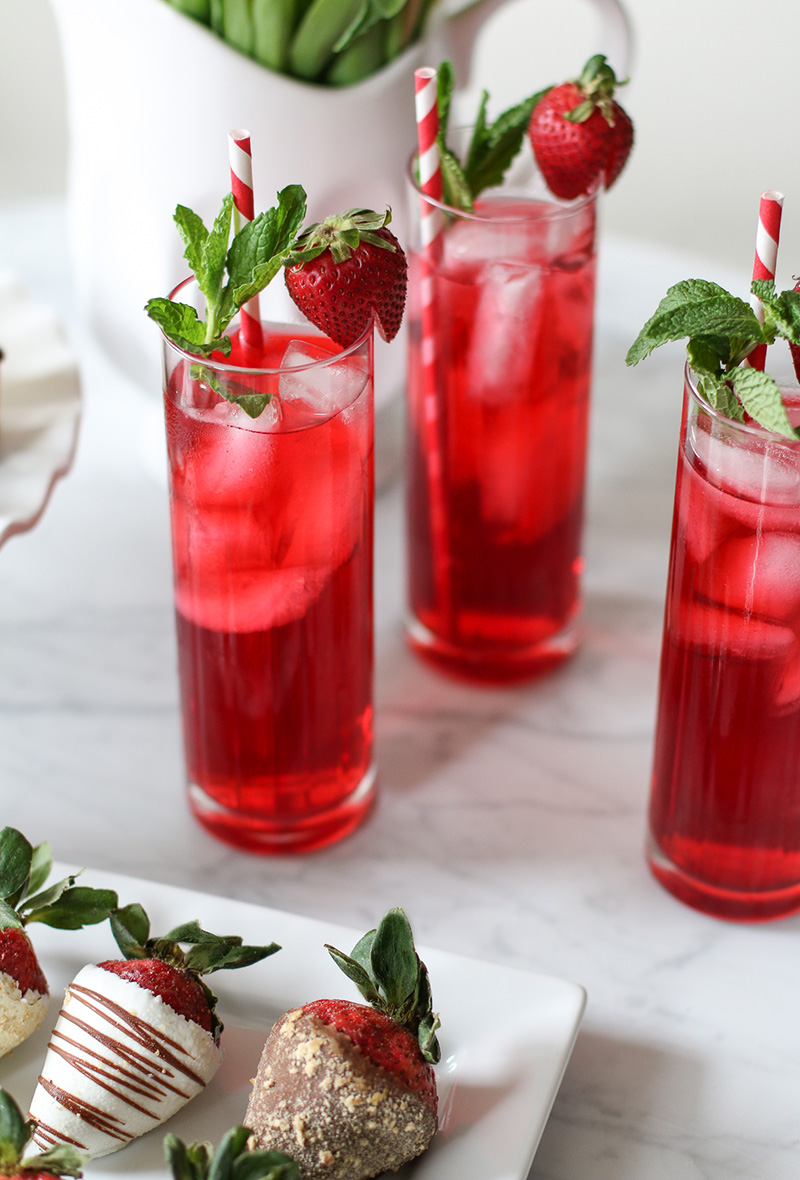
(431, 224)
(764, 264)
(241, 162)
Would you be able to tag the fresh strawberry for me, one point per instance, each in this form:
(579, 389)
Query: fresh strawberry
(136, 1038)
(346, 271)
(15, 1137)
(795, 348)
(234, 1158)
(580, 135)
(23, 872)
(348, 1089)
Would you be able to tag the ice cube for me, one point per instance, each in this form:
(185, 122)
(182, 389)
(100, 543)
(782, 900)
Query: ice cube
(324, 389)
(471, 243)
(531, 466)
(755, 575)
(720, 631)
(257, 601)
(505, 332)
(750, 475)
(571, 238)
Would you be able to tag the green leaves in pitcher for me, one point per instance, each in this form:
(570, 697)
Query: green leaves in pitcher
(332, 42)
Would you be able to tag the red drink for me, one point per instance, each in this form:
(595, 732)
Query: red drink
(725, 807)
(272, 549)
(494, 594)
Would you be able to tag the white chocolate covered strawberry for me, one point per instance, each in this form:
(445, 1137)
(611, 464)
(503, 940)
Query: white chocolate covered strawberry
(136, 1038)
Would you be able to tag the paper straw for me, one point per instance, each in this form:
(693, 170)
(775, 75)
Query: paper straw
(241, 162)
(764, 264)
(431, 223)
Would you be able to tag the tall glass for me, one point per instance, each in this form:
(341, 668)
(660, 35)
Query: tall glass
(272, 522)
(501, 315)
(725, 804)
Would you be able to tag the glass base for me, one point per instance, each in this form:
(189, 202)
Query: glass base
(728, 903)
(492, 665)
(256, 833)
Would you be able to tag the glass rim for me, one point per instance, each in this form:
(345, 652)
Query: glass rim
(224, 366)
(754, 431)
(557, 207)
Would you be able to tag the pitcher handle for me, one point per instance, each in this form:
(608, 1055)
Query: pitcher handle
(466, 18)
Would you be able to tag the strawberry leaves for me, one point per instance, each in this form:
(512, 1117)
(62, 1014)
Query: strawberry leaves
(207, 952)
(15, 1136)
(64, 905)
(722, 331)
(252, 260)
(386, 969)
(234, 1159)
(491, 149)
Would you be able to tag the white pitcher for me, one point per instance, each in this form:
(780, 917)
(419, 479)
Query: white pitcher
(151, 98)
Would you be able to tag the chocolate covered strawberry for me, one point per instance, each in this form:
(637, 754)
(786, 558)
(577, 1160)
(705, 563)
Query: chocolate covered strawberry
(346, 271)
(16, 1162)
(236, 1158)
(137, 1038)
(580, 135)
(24, 899)
(348, 1089)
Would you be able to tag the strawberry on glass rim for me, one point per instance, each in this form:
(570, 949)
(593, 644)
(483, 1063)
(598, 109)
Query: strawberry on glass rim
(580, 135)
(15, 1140)
(24, 899)
(356, 1078)
(346, 270)
(137, 1037)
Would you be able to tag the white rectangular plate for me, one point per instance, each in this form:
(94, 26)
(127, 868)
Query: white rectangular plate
(506, 1035)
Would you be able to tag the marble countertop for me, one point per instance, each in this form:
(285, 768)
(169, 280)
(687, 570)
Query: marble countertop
(510, 823)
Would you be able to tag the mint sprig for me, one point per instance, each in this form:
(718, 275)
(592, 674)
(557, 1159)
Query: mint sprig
(492, 147)
(722, 330)
(228, 275)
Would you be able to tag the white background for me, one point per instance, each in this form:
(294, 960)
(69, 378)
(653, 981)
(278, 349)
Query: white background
(713, 94)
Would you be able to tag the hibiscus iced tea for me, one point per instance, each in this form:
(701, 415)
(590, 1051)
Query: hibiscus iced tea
(725, 805)
(497, 450)
(272, 547)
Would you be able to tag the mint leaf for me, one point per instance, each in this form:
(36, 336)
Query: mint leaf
(180, 324)
(719, 395)
(257, 252)
(698, 308)
(782, 311)
(194, 234)
(761, 397)
(251, 261)
(232, 390)
(215, 251)
(445, 86)
(493, 148)
(455, 187)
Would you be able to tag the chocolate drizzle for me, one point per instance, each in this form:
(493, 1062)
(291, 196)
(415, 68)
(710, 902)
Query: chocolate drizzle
(135, 1063)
